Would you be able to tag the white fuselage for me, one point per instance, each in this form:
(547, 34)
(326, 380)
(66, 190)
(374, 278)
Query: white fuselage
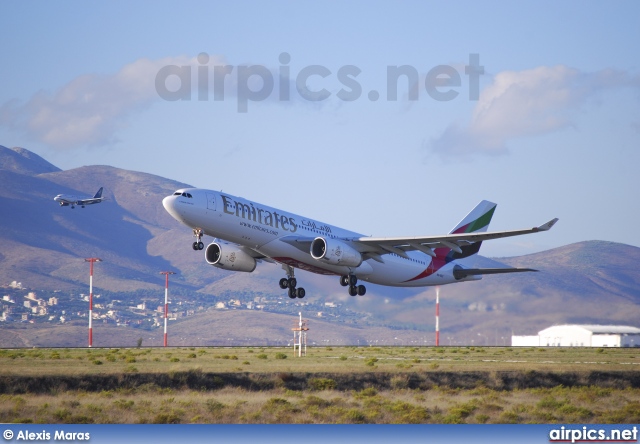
(261, 229)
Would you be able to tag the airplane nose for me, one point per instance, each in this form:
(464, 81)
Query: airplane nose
(169, 204)
(165, 203)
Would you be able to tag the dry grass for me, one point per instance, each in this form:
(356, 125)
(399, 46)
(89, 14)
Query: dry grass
(233, 405)
(321, 401)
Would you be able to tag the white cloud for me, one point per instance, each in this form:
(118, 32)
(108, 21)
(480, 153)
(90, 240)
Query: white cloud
(91, 108)
(524, 103)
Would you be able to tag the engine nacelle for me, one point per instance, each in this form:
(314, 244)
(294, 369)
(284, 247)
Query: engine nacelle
(229, 257)
(334, 252)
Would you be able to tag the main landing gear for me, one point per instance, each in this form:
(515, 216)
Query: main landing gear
(290, 282)
(350, 281)
(198, 245)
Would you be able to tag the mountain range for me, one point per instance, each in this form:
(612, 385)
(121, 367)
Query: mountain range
(44, 245)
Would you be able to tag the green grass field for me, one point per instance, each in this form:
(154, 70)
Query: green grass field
(329, 385)
(320, 359)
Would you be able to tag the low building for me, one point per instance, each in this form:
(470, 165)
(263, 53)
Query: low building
(581, 336)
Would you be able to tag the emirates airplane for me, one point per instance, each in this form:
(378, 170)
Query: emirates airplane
(246, 232)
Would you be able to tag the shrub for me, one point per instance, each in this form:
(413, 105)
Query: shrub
(316, 401)
(214, 406)
(124, 404)
(281, 356)
(166, 418)
(322, 384)
(399, 382)
(261, 356)
(482, 418)
(355, 416)
(367, 393)
(371, 362)
(62, 414)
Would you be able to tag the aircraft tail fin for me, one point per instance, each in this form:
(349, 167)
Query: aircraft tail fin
(98, 194)
(476, 221)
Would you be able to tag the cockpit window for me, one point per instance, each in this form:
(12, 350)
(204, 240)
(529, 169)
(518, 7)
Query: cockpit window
(183, 193)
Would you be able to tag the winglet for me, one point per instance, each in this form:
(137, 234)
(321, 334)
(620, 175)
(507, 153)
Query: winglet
(548, 225)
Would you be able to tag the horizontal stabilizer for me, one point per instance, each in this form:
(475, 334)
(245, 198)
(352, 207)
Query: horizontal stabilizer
(461, 273)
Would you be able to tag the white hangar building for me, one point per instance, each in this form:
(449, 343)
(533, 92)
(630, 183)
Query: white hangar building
(582, 336)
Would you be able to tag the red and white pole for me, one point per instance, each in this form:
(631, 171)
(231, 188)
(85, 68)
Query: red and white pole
(166, 302)
(91, 261)
(437, 316)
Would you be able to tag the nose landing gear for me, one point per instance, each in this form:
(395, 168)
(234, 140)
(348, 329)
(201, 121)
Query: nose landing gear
(198, 245)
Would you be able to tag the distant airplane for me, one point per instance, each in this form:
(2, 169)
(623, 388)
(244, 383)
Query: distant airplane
(253, 232)
(67, 199)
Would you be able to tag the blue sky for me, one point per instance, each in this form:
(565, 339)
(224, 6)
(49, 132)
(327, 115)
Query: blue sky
(554, 131)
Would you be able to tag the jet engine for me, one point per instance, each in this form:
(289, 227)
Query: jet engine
(334, 252)
(229, 257)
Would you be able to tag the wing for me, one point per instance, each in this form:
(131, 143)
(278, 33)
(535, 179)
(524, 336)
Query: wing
(376, 247)
(457, 242)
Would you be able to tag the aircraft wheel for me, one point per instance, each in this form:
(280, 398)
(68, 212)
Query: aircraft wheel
(353, 291)
(195, 245)
(284, 283)
(353, 280)
(293, 293)
(293, 282)
(301, 292)
(344, 280)
(361, 290)
(200, 246)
